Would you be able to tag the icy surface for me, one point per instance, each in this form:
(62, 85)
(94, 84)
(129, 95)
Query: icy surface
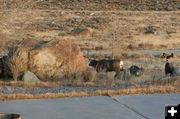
(69, 108)
(151, 106)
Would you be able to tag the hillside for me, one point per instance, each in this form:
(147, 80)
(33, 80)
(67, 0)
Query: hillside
(93, 24)
(93, 5)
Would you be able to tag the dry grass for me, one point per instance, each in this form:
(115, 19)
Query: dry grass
(131, 28)
(29, 84)
(92, 5)
(148, 87)
(148, 90)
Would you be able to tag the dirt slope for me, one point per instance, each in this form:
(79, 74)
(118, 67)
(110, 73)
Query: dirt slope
(93, 4)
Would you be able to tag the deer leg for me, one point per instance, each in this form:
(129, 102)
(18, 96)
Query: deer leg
(118, 73)
(124, 74)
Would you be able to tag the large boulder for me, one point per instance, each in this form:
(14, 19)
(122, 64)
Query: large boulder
(47, 60)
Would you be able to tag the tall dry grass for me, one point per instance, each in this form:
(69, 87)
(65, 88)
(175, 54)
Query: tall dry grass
(147, 90)
(16, 62)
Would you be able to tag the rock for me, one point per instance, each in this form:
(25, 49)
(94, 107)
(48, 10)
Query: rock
(91, 14)
(80, 31)
(29, 77)
(48, 60)
(97, 19)
(78, 19)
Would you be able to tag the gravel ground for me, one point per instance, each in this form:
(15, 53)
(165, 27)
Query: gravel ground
(61, 89)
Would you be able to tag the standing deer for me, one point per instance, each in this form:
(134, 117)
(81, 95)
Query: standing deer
(108, 66)
(169, 68)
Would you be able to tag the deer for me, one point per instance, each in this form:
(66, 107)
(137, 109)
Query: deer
(135, 70)
(169, 68)
(108, 65)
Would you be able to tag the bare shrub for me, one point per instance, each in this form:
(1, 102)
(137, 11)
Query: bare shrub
(145, 46)
(17, 62)
(150, 30)
(131, 47)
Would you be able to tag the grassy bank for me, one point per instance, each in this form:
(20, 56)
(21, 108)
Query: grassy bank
(148, 90)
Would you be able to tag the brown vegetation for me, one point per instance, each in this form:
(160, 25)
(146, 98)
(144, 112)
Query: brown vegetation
(30, 84)
(134, 30)
(147, 90)
(92, 4)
